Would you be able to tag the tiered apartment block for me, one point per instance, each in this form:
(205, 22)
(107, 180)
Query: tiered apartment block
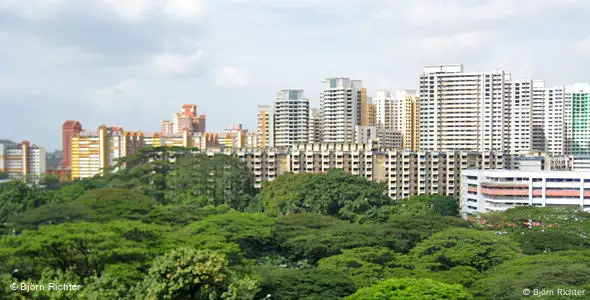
(22, 161)
(406, 173)
(498, 190)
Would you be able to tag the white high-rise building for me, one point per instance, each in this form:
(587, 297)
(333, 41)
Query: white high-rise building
(291, 118)
(384, 110)
(554, 121)
(538, 116)
(315, 132)
(519, 116)
(340, 109)
(265, 126)
(462, 111)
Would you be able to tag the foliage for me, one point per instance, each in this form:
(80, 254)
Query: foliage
(365, 265)
(84, 248)
(249, 232)
(98, 205)
(411, 289)
(314, 237)
(436, 205)
(565, 269)
(190, 274)
(303, 284)
(16, 197)
(464, 247)
(335, 193)
(3, 175)
(541, 229)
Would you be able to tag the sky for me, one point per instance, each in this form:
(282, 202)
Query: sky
(133, 63)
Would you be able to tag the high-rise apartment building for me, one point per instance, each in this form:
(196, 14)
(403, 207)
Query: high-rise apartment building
(265, 126)
(70, 129)
(291, 118)
(539, 139)
(315, 126)
(554, 121)
(462, 111)
(385, 110)
(519, 116)
(340, 109)
(406, 115)
(22, 161)
(187, 119)
(372, 114)
(578, 131)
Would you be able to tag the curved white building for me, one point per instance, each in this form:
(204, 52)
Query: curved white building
(498, 190)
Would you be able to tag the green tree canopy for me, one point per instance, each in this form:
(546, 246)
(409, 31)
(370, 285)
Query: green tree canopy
(365, 265)
(194, 274)
(454, 247)
(436, 205)
(303, 284)
(251, 233)
(335, 193)
(85, 248)
(411, 289)
(565, 269)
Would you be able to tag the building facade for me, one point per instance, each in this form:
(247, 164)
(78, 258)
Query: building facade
(340, 109)
(407, 118)
(539, 139)
(380, 136)
(385, 110)
(187, 119)
(579, 129)
(291, 118)
(315, 126)
(519, 116)
(70, 129)
(22, 161)
(462, 111)
(265, 126)
(498, 190)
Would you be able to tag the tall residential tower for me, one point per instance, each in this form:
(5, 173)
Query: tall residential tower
(340, 109)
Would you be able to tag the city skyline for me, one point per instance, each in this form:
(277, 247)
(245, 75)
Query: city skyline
(134, 72)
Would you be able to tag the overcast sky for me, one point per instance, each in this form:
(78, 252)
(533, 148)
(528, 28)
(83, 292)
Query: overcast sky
(135, 62)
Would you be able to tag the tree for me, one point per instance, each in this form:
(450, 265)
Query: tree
(252, 233)
(541, 229)
(16, 197)
(454, 247)
(365, 265)
(204, 180)
(564, 269)
(3, 175)
(84, 248)
(99, 205)
(411, 289)
(335, 193)
(431, 205)
(313, 237)
(308, 284)
(191, 274)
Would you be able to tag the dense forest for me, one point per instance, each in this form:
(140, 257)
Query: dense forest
(173, 224)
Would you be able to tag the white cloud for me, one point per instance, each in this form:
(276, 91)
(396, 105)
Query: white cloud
(174, 63)
(132, 10)
(33, 9)
(230, 78)
(459, 12)
(583, 46)
(452, 44)
(184, 9)
(122, 87)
